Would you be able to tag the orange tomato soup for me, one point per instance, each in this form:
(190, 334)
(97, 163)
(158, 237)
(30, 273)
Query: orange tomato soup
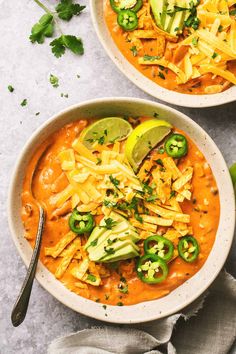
(48, 180)
(134, 46)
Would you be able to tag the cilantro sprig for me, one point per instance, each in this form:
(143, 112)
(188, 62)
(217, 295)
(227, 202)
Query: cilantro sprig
(45, 27)
(66, 9)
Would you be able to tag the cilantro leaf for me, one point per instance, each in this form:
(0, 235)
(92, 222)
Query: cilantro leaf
(66, 9)
(109, 223)
(60, 44)
(43, 28)
(10, 88)
(24, 102)
(54, 80)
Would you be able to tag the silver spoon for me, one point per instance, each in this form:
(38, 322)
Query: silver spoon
(21, 305)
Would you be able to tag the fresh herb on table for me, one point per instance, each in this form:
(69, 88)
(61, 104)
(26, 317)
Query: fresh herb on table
(45, 27)
(10, 88)
(37, 113)
(54, 80)
(24, 102)
(66, 9)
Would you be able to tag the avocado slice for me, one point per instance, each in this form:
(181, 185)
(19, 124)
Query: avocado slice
(105, 249)
(157, 7)
(170, 15)
(126, 252)
(104, 243)
(96, 233)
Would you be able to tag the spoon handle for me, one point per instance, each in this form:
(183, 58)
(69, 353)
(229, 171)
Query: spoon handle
(20, 308)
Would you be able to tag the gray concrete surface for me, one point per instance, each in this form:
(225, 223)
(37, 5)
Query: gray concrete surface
(27, 68)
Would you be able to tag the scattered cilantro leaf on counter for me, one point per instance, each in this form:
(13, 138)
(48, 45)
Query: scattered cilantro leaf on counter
(43, 28)
(10, 88)
(54, 80)
(37, 113)
(66, 9)
(24, 102)
(72, 43)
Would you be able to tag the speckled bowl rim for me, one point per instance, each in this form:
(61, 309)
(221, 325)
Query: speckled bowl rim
(144, 83)
(184, 294)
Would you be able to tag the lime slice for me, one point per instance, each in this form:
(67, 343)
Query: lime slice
(144, 138)
(106, 130)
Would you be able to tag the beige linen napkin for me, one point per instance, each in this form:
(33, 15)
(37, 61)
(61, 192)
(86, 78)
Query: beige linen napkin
(207, 326)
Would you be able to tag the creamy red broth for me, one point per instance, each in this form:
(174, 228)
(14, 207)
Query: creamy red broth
(204, 210)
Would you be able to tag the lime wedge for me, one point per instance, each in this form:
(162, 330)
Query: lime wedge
(106, 130)
(144, 138)
(232, 171)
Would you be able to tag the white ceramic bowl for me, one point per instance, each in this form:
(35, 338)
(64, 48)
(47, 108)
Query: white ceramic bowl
(184, 294)
(142, 81)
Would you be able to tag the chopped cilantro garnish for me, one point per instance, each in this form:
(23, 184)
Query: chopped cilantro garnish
(155, 115)
(159, 162)
(195, 41)
(152, 198)
(134, 50)
(161, 75)
(99, 161)
(161, 150)
(123, 288)
(91, 278)
(94, 243)
(114, 181)
(109, 223)
(214, 55)
(151, 57)
(120, 303)
(104, 306)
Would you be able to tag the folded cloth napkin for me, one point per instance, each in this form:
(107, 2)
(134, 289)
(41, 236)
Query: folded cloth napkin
(207, 326)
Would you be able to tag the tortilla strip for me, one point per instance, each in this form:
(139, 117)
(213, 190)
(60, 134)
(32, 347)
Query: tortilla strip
(226, 74)
(181, 181)
(145, 34)
(143, 226)
(68, 256)
(168, 214)
(60, 198)
(156, 220)
(59, 247)
(171, 167)
(214, 41)
(163, 62)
